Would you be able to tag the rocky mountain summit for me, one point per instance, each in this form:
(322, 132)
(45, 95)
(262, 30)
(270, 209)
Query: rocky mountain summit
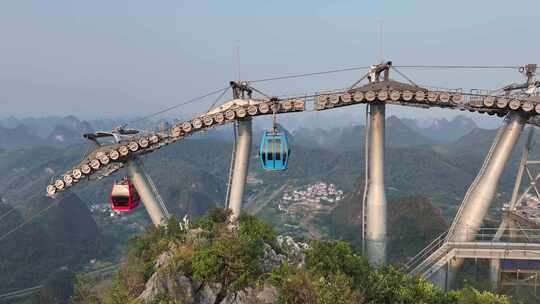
(184, 288)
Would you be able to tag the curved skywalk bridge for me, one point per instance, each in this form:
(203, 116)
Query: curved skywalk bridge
(106, 159)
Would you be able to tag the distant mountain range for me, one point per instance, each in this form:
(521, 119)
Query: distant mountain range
(43, 126)
(442, 129)
(53, 130)
(19, 136)
(16, 133)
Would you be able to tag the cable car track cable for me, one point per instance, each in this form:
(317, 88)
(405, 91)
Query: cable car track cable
(218, 98)
(30, 219)
(8, 213)
(310, 74)
(403, 75)
(472, 67)
(192, 100)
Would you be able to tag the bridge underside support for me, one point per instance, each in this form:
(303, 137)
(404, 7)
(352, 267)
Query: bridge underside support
(444, 277)
(494, 272)
(150, 202)
(440, 278)
(376, 197)
(480, 195)
(240, 168)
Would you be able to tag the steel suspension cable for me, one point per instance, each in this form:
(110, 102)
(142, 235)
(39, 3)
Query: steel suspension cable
(178, 105)
(472, 67)
(311, 74)
(8, 213)
(29, 220)
(260, 92)
(218, 98)
(403, 75)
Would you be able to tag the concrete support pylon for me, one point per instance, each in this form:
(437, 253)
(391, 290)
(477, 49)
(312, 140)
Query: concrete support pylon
(443, 277)
(440, 278)
(150, 202)
(240, 168)
(376, 198)
(494, 272)
(481, 194)
(513, 230)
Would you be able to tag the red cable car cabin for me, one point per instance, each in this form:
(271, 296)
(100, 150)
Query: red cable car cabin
(124, 196)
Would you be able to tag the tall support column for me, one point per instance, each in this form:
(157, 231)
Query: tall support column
(150, 202)
(513, 230)
(376, 197)
(240, 168)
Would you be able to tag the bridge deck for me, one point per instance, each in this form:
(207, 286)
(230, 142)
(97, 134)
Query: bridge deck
(489, 250)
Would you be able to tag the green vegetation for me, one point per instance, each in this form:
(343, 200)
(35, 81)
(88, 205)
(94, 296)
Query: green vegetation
(213, 253)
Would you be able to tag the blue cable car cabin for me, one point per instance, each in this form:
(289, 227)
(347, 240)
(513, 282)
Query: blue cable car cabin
(274, 151)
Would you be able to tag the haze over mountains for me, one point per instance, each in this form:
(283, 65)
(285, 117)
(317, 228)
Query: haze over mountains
(442, 129)
(25, 132)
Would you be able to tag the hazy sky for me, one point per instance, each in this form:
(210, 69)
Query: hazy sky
(111, 58)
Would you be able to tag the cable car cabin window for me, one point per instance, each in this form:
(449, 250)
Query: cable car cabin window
(270, 149)
(278, 148)
(121, 201)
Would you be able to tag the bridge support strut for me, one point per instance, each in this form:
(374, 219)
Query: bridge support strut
(150, 202)
(240, 168)
(494, 272)
(376, 197)
(481, 193)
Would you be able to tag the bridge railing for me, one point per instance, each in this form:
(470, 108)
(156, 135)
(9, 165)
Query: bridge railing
(426, 252)
(489, 235)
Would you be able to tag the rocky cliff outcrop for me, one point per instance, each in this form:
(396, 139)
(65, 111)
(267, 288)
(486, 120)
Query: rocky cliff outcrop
(179, 286)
